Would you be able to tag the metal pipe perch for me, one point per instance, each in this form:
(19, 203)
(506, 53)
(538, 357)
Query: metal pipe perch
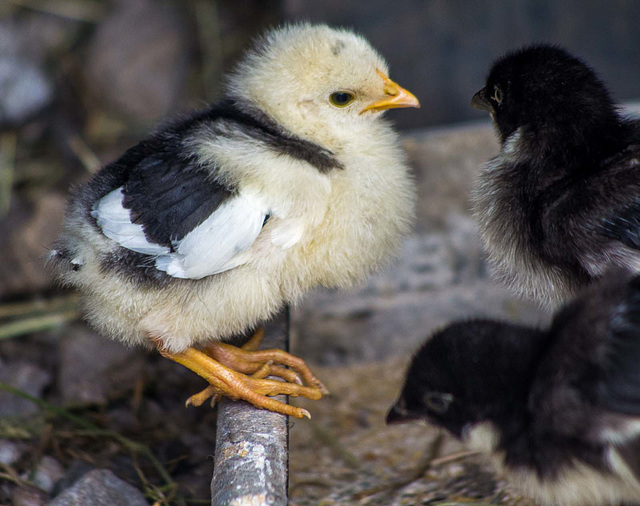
(251, 463)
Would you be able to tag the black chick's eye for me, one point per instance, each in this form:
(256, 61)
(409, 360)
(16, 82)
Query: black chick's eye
(497, 95)
(341, 98)
(438, 402)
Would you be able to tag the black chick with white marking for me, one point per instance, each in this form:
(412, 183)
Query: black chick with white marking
(557, 410)
(560, 204)
(210, 225)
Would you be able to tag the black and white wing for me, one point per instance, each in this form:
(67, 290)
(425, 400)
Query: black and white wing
(587, 389)
(157, 200)
(172, 209)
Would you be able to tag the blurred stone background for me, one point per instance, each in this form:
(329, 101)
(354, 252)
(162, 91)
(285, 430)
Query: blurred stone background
(82, 80)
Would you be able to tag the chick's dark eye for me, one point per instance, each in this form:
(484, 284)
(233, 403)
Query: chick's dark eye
(438, 402)
(341, 98)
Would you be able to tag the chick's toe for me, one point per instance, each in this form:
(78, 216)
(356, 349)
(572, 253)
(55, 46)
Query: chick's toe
(215, 395)
(248, 359)
(231, 359)
(227, 382)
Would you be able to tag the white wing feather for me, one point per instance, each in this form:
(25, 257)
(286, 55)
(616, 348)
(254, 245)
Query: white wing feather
(115, 221)
(212, 247)
(216, 244)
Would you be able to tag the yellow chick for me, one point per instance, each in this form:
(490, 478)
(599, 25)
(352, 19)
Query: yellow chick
(210, 225)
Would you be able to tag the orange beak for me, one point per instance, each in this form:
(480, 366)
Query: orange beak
(395, 96)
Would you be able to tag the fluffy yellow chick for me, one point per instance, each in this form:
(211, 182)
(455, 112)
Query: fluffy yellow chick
(213, 223)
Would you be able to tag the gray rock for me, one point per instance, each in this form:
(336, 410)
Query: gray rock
(76, 470)
(24, 90)
(10, 452)
(27, 378)
(29, 496)
(25, 43)
(85, 380)
(138, 58)
(47, 473)
(100, 488)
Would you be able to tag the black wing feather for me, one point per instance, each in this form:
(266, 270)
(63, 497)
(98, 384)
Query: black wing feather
(169, 197)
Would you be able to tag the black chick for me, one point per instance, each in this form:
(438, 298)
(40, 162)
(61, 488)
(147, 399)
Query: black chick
(558, 410)
(560, 204)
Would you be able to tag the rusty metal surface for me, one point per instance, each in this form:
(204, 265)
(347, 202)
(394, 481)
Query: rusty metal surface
(252, 446)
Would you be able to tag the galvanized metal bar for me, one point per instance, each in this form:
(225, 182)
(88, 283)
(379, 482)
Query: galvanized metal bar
(251, 464)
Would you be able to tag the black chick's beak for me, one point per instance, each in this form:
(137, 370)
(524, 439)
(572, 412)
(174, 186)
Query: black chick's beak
(479, 101)
(399, 414)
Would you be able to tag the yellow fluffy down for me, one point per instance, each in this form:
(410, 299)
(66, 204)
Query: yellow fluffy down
(343, 224)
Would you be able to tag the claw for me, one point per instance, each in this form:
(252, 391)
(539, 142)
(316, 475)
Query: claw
(200, 398)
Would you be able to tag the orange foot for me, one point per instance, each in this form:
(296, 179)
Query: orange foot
(227, 369)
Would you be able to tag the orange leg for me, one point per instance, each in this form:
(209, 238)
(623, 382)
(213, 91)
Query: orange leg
(211, 391)
(226, 368)
(257, 370)
(248, 360)
(232, 358)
